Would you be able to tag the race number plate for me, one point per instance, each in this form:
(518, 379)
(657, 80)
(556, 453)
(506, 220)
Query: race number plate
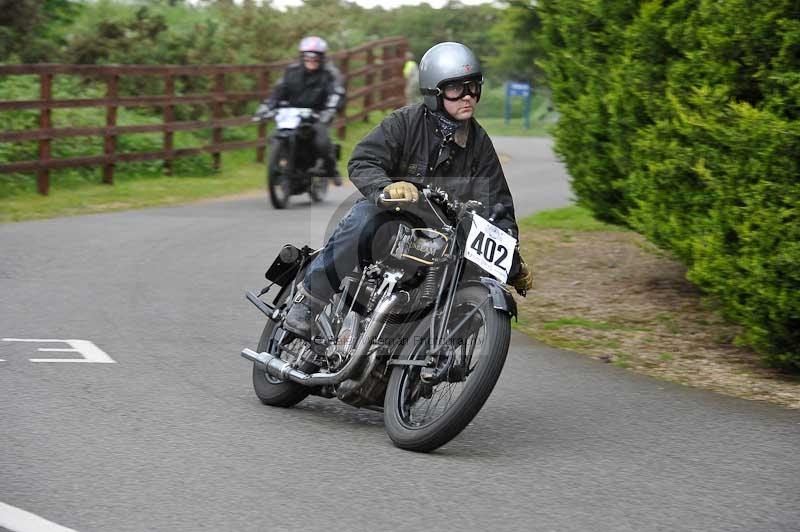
(287, 119)
(490, 247)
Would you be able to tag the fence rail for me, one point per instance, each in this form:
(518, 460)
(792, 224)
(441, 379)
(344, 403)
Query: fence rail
(379, 76)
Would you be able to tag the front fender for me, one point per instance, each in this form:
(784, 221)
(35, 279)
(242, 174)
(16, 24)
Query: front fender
(501, 300)
(501, 297)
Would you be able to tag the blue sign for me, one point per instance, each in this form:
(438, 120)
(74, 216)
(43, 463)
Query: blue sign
(523, 89)
(518, 89)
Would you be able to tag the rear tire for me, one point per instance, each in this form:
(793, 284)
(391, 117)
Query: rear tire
(477, 386)
(269, 390)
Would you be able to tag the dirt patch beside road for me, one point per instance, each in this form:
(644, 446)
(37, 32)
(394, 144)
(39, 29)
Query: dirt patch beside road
(613, 296)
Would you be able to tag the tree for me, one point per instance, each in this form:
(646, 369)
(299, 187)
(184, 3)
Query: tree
(32, 30)
(517, 37)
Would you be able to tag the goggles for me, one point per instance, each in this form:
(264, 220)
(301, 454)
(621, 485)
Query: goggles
(312, 56)
(455, 90)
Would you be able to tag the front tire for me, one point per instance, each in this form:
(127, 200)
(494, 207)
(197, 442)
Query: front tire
(277, 180)
(279, 191)
(408, 396)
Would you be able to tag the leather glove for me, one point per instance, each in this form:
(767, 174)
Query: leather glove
(523, 281)
(262, 113)
(326, 116)
(402, 190)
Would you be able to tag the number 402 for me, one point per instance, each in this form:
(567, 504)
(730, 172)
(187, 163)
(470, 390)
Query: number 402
(487, 248)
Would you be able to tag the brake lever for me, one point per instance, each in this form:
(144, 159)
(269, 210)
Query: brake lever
(471, 205)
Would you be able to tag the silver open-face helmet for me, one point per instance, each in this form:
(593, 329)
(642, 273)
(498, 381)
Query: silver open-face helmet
(451, 66)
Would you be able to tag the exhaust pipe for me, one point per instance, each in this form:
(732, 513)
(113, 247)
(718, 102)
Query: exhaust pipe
(275, 366)
(284, 370)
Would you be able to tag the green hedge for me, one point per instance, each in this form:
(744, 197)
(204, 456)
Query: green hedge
(680, 119)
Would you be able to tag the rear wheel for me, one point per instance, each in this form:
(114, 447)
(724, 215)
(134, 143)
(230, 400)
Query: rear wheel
(423, 413)
(272, 391)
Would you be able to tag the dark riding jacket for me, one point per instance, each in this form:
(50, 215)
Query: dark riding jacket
(408, 146)
(319, 89)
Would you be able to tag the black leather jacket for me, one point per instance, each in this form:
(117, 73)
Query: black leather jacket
(408, 146)
(319, 89)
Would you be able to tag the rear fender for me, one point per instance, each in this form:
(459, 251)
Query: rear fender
(288, 264)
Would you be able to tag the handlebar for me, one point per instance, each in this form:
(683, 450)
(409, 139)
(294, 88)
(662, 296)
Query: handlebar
(396, 204)
(434, 195)
(383, 201)
(265, 113)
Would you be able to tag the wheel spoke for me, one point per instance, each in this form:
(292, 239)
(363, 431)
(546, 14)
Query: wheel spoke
(416, 409)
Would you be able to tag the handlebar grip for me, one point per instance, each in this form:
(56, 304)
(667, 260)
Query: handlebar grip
(499, 211)
(383, 201)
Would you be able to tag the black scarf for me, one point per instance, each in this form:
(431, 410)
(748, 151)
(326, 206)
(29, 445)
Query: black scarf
(447, 125)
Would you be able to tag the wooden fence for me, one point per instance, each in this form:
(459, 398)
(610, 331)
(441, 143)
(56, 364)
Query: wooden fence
(372, 71)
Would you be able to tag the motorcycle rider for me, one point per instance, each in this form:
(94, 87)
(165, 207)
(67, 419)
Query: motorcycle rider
(317, 84)
(436, 142)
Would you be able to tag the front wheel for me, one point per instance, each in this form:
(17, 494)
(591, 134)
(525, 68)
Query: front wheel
(278, 180)
(421, 413)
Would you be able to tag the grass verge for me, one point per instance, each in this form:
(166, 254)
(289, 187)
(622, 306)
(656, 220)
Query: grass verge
(605, 292)
(240, 174)
(572, 218)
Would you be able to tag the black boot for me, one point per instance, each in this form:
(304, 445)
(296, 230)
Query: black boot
(301, 316)
(336, 176)
(333, 169)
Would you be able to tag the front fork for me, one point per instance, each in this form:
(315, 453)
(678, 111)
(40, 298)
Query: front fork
(283, 157)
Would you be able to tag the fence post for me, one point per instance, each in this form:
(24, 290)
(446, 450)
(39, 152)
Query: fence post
(345, 70)
(219, 96)
(263, 89)
(110, 141)
(169, 117)
(45, 122)
(370, 80)
(400, 53)
(386, 75)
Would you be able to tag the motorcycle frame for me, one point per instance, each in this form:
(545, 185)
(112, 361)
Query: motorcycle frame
(288, 141)
(501, 299)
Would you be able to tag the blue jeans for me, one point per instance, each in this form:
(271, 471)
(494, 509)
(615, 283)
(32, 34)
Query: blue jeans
(364, 233)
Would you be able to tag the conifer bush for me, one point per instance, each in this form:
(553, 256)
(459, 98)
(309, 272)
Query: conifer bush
(681, 119)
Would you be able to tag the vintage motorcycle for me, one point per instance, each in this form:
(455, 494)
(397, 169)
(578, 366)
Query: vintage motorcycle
(294, 167)
(420, 333)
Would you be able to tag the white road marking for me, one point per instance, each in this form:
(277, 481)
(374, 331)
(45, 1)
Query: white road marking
(18, 520)
(91, 353)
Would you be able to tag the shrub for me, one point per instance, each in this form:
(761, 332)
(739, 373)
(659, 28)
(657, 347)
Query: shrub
(680, 119)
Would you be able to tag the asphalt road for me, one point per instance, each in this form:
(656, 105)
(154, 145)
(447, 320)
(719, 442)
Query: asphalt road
(170, 437)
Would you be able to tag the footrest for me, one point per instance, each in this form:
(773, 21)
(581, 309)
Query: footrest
(268, 310)
(396, 362)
